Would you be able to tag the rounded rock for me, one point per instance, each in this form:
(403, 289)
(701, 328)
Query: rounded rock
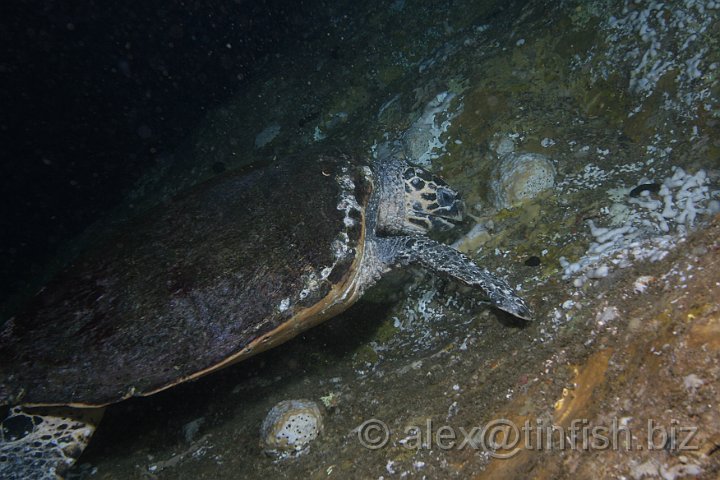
(519, 177)
(290, 427)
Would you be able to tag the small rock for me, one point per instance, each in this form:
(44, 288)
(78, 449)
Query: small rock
(693, 382)
(680, 471)
(648, 469)
(519, 177)
(642, 283)
(191, 429)
(505, 146)
(290, 427)
(600, 272)
(607, 315)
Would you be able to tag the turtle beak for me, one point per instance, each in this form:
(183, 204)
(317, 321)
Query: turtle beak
(450, 205)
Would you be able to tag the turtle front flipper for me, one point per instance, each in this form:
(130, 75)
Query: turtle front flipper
(43, 443)
(443, 259)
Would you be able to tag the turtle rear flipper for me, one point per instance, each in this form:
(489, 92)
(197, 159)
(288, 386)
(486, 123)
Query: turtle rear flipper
(443, 259)
(43, 443)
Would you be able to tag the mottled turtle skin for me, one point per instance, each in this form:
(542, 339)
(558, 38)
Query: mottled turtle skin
(237, 265)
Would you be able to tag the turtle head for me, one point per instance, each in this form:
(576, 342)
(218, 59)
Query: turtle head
(415, 201)
(430, 204)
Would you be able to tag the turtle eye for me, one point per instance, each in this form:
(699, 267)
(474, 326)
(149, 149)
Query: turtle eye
(445, 197)
(417, 184)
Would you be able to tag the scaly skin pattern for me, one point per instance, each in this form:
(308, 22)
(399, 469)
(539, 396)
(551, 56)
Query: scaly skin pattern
(42, 444)
(442, 259)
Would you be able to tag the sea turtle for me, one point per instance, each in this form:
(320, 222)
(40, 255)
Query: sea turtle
(233, 267)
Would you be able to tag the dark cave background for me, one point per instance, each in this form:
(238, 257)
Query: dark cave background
(94, 93)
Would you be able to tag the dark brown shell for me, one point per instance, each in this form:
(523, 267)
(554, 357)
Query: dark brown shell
(192, 286)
